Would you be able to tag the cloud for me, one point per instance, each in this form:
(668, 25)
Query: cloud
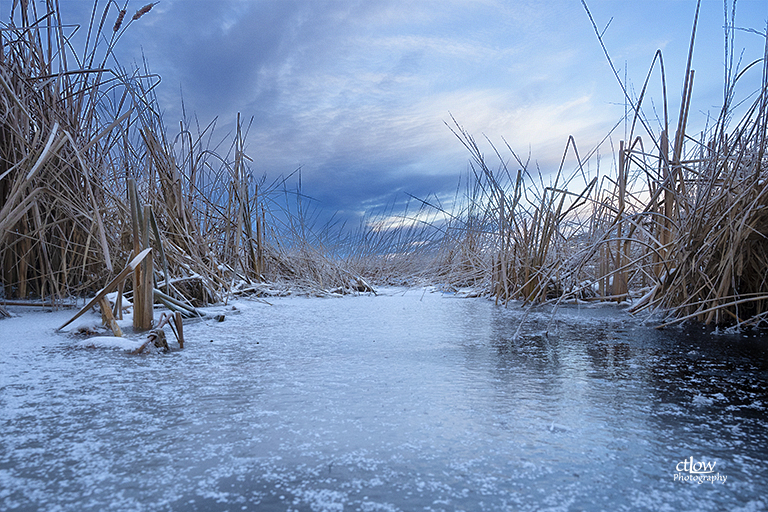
(357, 93)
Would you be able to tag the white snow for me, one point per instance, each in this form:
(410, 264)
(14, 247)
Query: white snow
(111, 342)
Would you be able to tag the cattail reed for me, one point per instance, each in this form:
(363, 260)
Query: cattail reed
(690, 229)
(119, 20)
(144, 10)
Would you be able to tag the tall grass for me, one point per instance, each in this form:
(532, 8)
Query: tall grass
(54, 225)
(77, 128)
(681, 218)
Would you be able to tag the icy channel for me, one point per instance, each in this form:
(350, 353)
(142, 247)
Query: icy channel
(406, 401)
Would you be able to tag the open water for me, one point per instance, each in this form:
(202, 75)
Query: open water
(406, 401)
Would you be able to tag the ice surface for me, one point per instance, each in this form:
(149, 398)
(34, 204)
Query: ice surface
(412, 400)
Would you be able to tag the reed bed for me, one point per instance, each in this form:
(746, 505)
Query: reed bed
(90, 177)
(54, 232)
(678, 225)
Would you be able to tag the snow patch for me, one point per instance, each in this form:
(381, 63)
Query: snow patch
(110, 342)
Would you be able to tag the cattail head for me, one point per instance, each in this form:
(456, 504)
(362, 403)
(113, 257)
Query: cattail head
(144, 10)
(119, 21)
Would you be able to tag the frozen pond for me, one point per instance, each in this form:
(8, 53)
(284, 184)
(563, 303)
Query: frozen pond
(408, 402)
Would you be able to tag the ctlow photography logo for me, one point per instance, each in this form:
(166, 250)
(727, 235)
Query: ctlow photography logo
(689, 470)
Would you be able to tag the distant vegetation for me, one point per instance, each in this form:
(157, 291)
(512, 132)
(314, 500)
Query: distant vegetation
(679, 225)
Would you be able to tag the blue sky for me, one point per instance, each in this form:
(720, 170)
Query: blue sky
(356, 93)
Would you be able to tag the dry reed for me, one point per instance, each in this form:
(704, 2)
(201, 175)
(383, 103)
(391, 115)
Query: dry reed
(69, 141)
(687, 226)
(682, 218)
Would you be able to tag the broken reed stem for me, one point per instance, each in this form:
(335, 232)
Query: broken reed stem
(138, 272)
(146, 311)
(178, 322)
(108, 318)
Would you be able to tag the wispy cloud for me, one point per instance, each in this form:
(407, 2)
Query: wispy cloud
(357, 92)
